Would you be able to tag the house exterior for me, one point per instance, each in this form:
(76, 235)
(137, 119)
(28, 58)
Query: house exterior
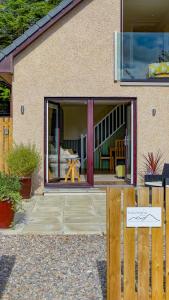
(82, 52)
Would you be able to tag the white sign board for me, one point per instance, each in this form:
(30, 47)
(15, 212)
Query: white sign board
(144, 217)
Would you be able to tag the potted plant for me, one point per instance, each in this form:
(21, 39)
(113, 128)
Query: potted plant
(22, 161)
(10, 199)
(152, 166)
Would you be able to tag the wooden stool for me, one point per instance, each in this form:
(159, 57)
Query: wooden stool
(72, 171)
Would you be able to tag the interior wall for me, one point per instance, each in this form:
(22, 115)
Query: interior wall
(75, 119)
(100, 111)
(146, 16)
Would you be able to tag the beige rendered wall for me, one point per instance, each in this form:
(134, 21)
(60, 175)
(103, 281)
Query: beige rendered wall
(75, 58)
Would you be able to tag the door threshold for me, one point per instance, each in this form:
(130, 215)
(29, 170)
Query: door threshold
(53, 191)
(121, 185)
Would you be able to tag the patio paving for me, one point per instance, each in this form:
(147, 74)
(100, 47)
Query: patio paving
(62, 213)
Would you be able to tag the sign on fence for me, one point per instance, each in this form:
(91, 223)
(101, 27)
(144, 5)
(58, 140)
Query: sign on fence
(144, 216)
(137, 257)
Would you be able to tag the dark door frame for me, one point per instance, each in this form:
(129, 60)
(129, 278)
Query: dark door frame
(90, 142)
(90, 136)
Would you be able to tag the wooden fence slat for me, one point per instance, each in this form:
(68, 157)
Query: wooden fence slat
(5, 141)
(167, 243)
(108, 225)
(1, 144)
(129, 249)
(6, 144)
(115, 209)
(114, 232)
(143, 250)
(157, 249)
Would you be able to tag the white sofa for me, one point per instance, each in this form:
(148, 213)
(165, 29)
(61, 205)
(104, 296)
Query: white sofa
(65, 155)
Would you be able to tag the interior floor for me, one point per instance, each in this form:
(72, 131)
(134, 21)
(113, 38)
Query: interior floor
(98, 179)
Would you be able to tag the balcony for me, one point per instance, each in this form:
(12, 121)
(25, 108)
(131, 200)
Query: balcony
(142, 57)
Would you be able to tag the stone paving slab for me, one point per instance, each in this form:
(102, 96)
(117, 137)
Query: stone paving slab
(62, 214)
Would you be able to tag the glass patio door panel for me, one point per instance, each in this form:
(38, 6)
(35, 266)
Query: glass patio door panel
(128, 143)
(53, 144)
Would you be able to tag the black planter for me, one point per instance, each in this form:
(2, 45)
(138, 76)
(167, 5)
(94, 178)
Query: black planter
(152, 178)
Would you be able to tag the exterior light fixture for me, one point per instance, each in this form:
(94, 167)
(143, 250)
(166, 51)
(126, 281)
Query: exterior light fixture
(22, 109)
(153, 112)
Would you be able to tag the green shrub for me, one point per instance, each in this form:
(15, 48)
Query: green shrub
(4, 92)
(22, 160)
(9, 190)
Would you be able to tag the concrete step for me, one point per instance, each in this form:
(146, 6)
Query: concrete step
(80, 191)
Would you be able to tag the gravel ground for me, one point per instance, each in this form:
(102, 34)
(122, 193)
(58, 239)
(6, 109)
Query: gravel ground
(52, 267)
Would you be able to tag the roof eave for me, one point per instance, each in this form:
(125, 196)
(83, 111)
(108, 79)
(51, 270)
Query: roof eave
(6, 65)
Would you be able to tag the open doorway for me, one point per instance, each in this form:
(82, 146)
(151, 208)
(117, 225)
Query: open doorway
(90, 141)
(112, 143)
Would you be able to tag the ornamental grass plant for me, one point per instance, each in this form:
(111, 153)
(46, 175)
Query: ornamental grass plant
(23, 160)
(153, 163)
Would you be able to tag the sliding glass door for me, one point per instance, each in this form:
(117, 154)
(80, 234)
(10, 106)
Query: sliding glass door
(53, 147)
(69, 135)
(66, 142)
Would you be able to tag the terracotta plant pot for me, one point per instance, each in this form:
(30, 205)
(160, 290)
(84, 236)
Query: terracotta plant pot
(26, 187)
(6, 214)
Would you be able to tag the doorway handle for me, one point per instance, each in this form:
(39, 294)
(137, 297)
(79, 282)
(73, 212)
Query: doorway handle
(126, 140)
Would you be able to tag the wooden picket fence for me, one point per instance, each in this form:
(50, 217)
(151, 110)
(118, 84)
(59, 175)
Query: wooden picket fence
(5, 140)
(138, 258)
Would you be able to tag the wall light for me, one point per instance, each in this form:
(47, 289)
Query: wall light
(22, 109)
(153, 112)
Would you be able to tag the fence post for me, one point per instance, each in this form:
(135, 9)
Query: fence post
(167, 242)
(113, 246)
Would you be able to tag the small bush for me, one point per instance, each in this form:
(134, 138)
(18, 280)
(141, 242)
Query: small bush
(22, 160)
(9, 190)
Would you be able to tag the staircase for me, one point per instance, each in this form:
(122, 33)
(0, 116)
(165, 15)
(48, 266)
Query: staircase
(104, 130)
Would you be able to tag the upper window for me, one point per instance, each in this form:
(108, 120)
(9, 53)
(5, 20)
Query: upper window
(145, 41)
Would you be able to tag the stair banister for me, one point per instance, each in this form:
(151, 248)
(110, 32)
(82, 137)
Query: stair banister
(98, 130)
